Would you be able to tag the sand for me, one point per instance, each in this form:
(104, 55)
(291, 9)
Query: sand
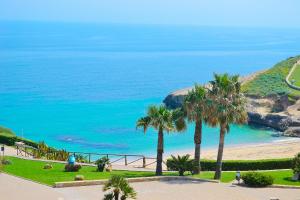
(285, 148)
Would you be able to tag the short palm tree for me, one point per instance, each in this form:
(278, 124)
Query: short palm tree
(119, 187)
(162, 119)
(180, 163)
(228, 106)
(195, 105)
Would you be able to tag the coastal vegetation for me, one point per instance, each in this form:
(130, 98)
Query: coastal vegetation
(224, 102)
(240, 165)
(180, 164)
(34, 170)
(272, 81)
(8, 137)
(295, 76)
(256, 179)
(227, 106)
(195, 105)
(118, 187)
(162, 120)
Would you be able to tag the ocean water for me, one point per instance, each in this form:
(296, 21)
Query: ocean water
(83, 86)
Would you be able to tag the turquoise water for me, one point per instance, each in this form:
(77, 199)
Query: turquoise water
(83, 86)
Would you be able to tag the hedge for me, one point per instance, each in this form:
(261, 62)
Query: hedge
(10, 141)
(247, 165)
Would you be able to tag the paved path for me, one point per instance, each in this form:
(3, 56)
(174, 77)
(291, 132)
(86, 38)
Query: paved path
(13, 188)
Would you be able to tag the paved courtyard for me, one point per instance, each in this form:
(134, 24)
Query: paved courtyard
(13, 188)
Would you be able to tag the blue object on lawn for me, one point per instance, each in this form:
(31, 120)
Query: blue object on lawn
(72, 160)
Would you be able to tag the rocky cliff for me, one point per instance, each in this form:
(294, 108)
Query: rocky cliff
(277, 111)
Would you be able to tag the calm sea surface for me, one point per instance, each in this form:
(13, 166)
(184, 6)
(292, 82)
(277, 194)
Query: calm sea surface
(83, 86)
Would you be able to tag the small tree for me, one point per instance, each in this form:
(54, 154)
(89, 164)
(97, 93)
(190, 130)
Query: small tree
(180, 164)
(296, 164)
(119, 189)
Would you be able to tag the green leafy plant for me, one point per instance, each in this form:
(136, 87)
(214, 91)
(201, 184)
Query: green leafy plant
(296, 164)
(101, 163)
(48, 166)
(79, 178)
(81, 158)
(180, 164)
(119, 189)
(255, 179)
(72, 168)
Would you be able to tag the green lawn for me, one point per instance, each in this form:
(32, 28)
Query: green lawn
(296, 76)
(281, 177)
(33, 170)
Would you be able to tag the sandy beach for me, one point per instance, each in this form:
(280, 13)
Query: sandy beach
(284, 148)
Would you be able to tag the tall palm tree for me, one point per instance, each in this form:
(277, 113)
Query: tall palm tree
(228, 106)
(119, 188)
(162, 119)
(195, 107)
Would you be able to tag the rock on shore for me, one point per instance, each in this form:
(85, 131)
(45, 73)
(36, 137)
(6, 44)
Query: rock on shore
(276, 112)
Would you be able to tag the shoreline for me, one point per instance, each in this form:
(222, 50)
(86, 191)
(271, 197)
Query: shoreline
(284, 148)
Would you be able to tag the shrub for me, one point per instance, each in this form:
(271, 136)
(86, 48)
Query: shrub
(296, 164)
(180, 164)
(10, 140)
(247, 165)
(48, 166)
(81, 159)
(101, 163)
(79, 178)
(5, 162)
(255, 179)
(72, 168)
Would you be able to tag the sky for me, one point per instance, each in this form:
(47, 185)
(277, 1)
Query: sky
(252, 13)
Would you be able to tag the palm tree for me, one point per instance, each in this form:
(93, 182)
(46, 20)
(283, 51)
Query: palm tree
(227, 106)
(195, 107)
(180, 163)
(162, 119)
(120, 188)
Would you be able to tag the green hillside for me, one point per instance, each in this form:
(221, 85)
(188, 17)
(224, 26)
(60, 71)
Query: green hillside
(295, 76)
(272, 82)
(6, 132)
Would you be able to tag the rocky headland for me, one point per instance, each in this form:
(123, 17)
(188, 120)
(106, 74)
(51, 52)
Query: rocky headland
(270, 101)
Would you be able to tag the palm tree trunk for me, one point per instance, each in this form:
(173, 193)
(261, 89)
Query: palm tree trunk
(116, 194)
(220, 152)
(160, 151)
(197, 141)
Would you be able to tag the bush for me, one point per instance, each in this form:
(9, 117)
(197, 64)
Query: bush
(10, 140)
(48, 166)
(255, 179)
(296, 164)
(101, 163)
(5, 162)
(79, 178)
(247, 165)
(72, 168)
(180, 164)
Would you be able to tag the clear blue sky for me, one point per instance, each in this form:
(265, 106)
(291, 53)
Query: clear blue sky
(273, 13)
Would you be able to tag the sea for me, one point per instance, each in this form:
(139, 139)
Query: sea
(82, 86)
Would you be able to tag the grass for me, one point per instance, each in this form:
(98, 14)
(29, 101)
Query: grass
(6, 132)
(296, 76)
(281, 177)
(226, 176)
(33, 170)
(272, 82)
